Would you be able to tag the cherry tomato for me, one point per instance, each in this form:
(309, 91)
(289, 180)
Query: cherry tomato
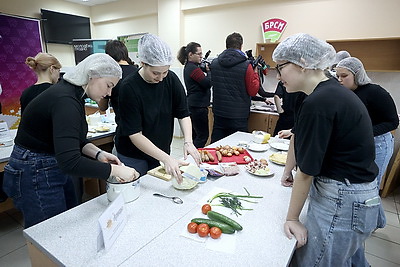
(206, 208)
(192, 227)
(203, 230)
(215, 232)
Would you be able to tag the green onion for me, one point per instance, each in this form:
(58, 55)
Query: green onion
(233, 201)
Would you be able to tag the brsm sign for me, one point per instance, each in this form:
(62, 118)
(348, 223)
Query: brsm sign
(272, 29)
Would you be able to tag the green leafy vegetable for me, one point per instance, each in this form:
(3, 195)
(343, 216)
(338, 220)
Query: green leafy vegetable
(233, 201)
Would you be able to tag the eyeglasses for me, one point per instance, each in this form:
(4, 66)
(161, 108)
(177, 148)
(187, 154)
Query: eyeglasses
(279, 67)
(199, 54)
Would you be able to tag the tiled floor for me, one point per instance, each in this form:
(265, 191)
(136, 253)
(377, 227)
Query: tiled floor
(382, 247)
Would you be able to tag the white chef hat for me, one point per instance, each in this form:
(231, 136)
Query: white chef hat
(94, 66)
(306, 51)
(341, 55)
(355, 66)
(154, 51)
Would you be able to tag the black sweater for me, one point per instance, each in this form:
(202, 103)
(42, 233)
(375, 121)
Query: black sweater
(380, 106)
(31, 92)
(55, 123)
(197, 85)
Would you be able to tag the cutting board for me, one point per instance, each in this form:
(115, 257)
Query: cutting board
(238, 159)
(159, 172)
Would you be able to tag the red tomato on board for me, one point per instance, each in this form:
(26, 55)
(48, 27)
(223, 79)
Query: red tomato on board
(192, 227)
(203, 230)
(206, 208)
(215, 232)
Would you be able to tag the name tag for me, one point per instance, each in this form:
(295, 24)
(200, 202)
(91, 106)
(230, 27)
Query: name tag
(111, 223)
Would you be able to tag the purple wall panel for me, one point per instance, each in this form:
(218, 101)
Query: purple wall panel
(19, 38)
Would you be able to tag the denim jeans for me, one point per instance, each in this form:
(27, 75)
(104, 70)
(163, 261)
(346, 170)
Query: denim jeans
(339, 219)
(384, 145)
(38, 187)
(140, 165)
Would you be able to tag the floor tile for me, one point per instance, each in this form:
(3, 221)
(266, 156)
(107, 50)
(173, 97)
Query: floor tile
(17, 216)
(392, 219)
(11, 241)
(7, 224)
(177, 143)
(389, 233)
(383, 249)
(396, 195)
(19, 257)
(375, 261)
(389, 205)
(177, 153)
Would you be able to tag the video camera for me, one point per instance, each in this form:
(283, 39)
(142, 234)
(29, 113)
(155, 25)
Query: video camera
(204, 62)
(259, 61)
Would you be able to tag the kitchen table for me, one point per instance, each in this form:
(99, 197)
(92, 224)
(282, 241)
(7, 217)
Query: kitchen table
(152, 235)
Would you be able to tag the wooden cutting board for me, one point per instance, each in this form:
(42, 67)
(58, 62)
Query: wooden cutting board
(159, 172)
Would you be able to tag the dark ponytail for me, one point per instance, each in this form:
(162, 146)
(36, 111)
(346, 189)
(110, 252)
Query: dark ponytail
(185, 50)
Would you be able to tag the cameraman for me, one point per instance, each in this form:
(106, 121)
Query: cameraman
(198, 90)
(234, 81)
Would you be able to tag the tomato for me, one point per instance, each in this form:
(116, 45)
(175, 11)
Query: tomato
(215, 232)
(192, 227)
(203, 230)
(206, 208)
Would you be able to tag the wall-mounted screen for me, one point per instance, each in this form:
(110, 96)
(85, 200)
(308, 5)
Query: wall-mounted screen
(62, 28)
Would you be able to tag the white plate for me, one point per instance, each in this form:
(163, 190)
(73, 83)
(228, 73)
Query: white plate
(280, 146)
(270, 173)
(277, 162)
(258, 147)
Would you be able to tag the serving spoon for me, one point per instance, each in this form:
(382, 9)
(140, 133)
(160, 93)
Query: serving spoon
(177, 200)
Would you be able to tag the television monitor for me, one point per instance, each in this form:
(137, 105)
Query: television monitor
(62, 28)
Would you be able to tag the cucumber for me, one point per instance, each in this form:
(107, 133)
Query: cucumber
(225, 228)
(213, 215)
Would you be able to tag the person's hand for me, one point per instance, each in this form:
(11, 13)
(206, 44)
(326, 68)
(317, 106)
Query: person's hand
(268, 102)
(287, 180)
(124, 173)
(285, 133)
(171, 167)
(189, 148)
(108, 158)
(296, 229)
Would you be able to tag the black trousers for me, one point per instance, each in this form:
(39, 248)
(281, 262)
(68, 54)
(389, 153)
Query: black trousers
(227, 126)
(199, 117)
(285, 122)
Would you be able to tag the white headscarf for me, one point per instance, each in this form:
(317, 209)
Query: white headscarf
(94, 66)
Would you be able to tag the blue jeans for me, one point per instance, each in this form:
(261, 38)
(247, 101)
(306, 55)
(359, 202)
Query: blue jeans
(140, 165)
(38, 187)
(384, 145)
(338, 222)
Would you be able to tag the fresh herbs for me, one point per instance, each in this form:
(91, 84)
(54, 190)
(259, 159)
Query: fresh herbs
(233, 201)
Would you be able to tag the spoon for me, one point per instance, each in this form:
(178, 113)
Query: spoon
(177, 200)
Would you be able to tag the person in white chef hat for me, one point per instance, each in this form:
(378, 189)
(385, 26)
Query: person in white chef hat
(51, 145)
(150, 100)
(334, 150)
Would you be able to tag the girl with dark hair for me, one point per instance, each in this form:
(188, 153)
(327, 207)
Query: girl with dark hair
(198, 86)
(118, 51)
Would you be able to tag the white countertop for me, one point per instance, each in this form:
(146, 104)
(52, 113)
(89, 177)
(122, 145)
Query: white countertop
(152, 235)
